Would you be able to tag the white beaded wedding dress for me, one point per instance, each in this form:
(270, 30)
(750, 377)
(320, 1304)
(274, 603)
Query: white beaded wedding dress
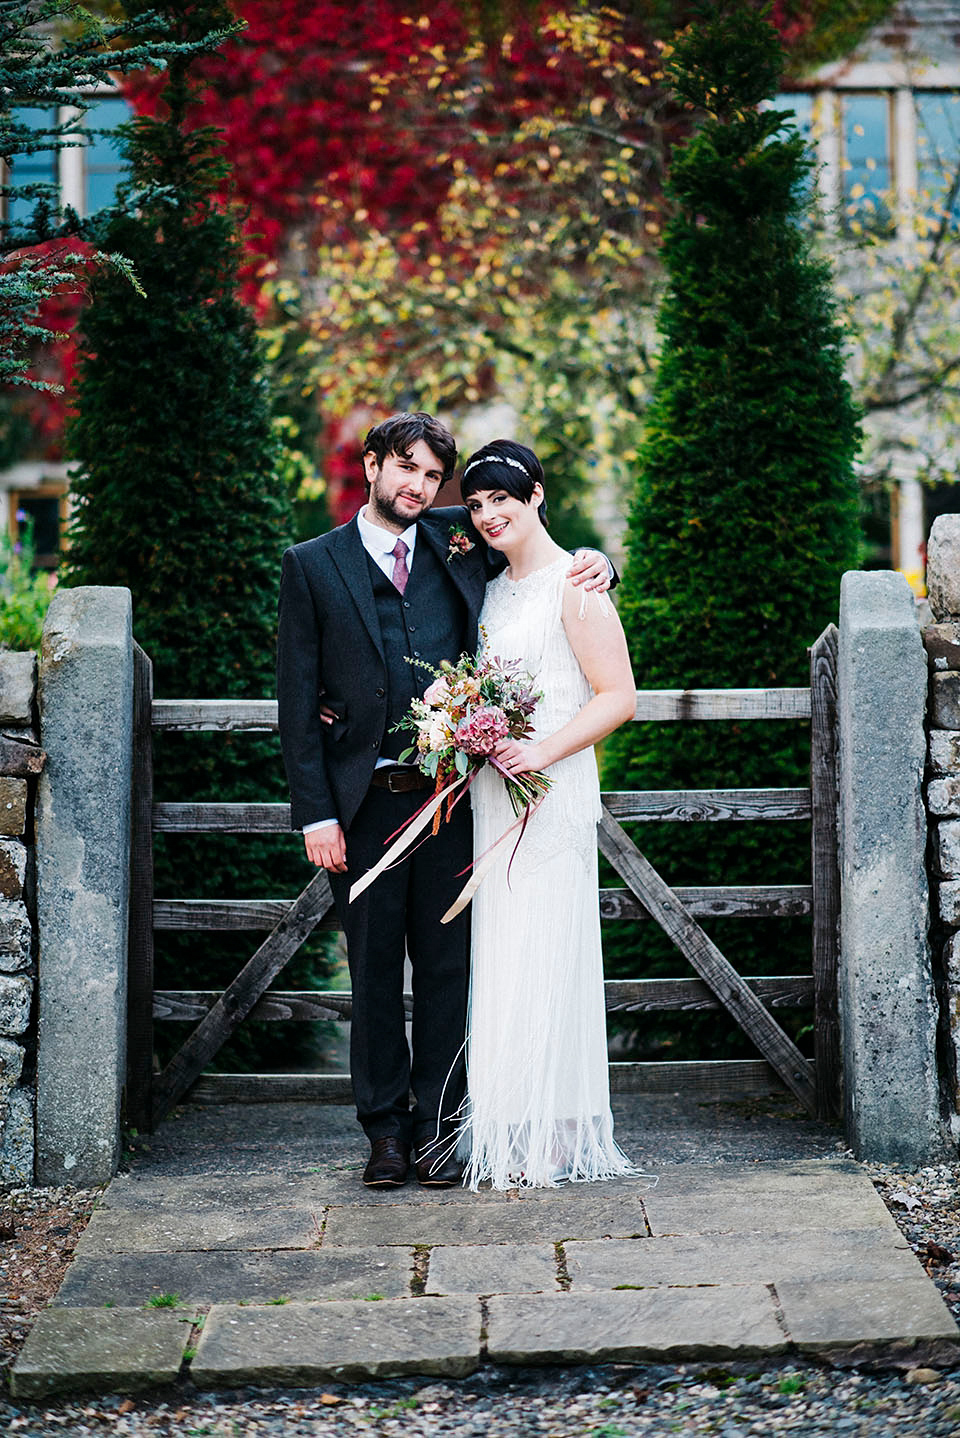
(538, 1105)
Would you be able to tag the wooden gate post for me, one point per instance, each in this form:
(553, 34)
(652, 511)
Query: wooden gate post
(825, 871)
(140, 972)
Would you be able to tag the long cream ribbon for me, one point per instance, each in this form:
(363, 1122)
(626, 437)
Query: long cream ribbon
(483, 868)
(415, 827)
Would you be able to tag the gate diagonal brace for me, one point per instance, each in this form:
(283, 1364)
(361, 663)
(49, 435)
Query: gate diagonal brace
(238, 999)
(717, 972)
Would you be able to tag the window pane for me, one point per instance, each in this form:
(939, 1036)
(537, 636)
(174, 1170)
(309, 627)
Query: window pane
(103, 167)
(801, 103)
(40, 168)
(802, 106)
(867, 176)
(938, 148)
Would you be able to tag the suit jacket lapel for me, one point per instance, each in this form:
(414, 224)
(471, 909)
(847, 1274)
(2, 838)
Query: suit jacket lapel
(466, 570)
(350, 557)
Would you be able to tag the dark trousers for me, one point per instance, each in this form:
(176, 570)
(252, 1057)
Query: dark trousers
(401, 911)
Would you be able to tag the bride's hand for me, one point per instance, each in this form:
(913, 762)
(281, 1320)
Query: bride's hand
(518, 757)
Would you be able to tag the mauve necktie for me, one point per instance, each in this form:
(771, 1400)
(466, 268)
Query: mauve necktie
(400, 571)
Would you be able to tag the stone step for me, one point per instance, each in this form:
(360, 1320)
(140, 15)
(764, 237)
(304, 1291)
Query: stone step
(295, 1343)
(125, 1350)
(233, 1276)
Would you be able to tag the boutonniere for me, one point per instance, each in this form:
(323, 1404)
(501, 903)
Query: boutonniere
(460, 543)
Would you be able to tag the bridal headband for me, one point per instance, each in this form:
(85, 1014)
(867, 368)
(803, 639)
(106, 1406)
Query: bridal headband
(496, 459)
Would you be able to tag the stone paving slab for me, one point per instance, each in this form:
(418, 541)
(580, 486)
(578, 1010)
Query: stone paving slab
(730, 1209)
(231, 1277)
(784, 1176)
(305, 1190)
(110, 1350)
(314, 1343)
(820, 1314)
(580, 1215)
(656, 1130)
(493, 1268)
(665, 1324)
(176, 1230)
(761, 1257)
(739, 1258)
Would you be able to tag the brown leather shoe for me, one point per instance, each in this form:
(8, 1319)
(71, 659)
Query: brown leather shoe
(389, 1163)
(437, 1167)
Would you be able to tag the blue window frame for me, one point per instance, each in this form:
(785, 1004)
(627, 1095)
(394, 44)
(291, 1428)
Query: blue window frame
(40, 168)
(867, 172)
(103, 166)
(801, 103)
(938, 149)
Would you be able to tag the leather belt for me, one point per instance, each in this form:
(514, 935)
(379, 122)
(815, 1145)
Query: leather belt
(401, 779)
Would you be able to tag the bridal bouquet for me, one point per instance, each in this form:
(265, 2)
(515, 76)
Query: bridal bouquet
(470, 707)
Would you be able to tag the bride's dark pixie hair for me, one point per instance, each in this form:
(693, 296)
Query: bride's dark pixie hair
(504, 464)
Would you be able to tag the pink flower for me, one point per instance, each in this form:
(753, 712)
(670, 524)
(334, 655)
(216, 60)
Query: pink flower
(481, 731)
(436, 692)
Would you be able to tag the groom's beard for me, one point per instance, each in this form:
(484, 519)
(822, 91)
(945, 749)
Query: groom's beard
(389, 511)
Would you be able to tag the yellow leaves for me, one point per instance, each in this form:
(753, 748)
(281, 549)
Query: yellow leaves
(597, 106)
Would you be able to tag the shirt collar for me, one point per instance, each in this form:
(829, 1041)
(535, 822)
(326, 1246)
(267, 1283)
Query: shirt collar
(383, 541)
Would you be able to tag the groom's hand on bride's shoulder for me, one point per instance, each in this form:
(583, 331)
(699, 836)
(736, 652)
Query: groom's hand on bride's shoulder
(593, 570)
(327, 848)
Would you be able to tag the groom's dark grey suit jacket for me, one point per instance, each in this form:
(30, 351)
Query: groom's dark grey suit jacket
(329, 645)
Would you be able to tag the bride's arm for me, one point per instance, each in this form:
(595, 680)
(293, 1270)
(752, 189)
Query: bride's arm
(599, 643)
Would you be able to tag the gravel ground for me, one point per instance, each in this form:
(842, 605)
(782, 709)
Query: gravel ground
(610, 1401)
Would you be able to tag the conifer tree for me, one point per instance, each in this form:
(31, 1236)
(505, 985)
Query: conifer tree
(745, 511)
(178, 488)
(51, 53)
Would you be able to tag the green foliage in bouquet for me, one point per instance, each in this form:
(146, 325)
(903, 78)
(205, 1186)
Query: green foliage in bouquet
(180, 496)
(745, 510)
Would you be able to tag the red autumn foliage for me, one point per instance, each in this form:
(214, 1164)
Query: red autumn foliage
(291, 97)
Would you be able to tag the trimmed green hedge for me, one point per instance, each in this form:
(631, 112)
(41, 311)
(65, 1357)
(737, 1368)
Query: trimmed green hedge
(746, 510)
(180, 498)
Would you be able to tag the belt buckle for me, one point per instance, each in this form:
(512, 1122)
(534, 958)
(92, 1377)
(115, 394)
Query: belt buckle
(391, 776)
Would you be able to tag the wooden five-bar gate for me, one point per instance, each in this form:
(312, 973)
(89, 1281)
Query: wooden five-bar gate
(751, 1001)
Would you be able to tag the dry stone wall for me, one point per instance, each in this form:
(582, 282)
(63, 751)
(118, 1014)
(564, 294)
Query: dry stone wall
(942, 642)
(21, 759)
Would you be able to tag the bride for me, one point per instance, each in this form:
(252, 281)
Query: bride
(538, 1103)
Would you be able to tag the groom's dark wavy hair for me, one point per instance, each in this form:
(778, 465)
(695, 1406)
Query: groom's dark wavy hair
(504, 464)
(398, 434)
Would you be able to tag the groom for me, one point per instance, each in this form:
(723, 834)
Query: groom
(398, 583)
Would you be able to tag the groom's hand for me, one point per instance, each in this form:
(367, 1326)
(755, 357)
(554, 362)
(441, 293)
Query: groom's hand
(327, 848)
(591, 569)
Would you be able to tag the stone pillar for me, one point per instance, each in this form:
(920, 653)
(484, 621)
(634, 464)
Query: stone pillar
(83, 847)
(887, 1000)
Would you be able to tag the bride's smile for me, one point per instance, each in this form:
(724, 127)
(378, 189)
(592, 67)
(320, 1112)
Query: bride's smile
(513, 526)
